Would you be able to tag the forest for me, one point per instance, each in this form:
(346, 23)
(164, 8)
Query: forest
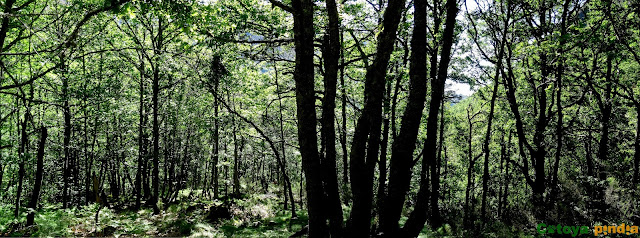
(319, 118)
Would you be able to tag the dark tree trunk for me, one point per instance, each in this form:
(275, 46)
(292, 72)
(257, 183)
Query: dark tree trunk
(216, 136)
(404, 144)
(437, 95)
(486, 151)
(382, 162)
(306, 114)
(155, 183)
(67, 136)
(366, 138)
(485, 145)
(331, 53)
(470, 169)
(236, 179)
(603, 147)
(636, 146)
(559, 75)
(141, 126)
(343, 136)
(33, 204)
(22, 150)
(503, 149)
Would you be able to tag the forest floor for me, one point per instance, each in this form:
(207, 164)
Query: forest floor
(255, 215)
(252, 216)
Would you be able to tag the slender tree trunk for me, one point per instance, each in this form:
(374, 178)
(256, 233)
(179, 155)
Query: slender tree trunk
(636, 155)
(603, 147)
(156, 123)
(141, 126)
(35, 195)
(487, 152)
(471, 159)
(503, 148)
(485, 146)
(287, 185)
(559, 75)
(216, 136)
(67, 135)
(343, 136)
(24, 145)
(382, 162)
(236, 180)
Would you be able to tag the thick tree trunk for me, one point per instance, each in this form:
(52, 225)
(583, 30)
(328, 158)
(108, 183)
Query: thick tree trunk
(366, 138)
(306, 114)
(413, 226)
(35, 195)
(404, 144)
(331, 55)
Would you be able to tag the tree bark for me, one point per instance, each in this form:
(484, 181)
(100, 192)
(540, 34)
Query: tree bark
(404, 144)
(603, 146)
(306, 113)
(636, 146)
(331, 55)
(67, 134)
(22, 150)
(485, 146)
(366, 138)
(413, 226)
(155, 183)
(35, 195)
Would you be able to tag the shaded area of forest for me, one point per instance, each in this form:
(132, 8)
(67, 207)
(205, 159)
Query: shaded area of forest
(278, 118)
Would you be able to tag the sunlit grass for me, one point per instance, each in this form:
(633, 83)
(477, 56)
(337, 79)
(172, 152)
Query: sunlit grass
(255, 215)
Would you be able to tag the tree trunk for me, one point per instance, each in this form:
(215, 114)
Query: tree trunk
(636, 146)
(343, 136)
(24, 145)
(382, 162)
(404, 144)
(603, 147)
(67, 135)
(471, 159)
(364, 152)
(33, 204)
(437, 95)
(331, 53)
(236, 180)
(156, 123)
(141, 126)
(306, 113)
(485, 146)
